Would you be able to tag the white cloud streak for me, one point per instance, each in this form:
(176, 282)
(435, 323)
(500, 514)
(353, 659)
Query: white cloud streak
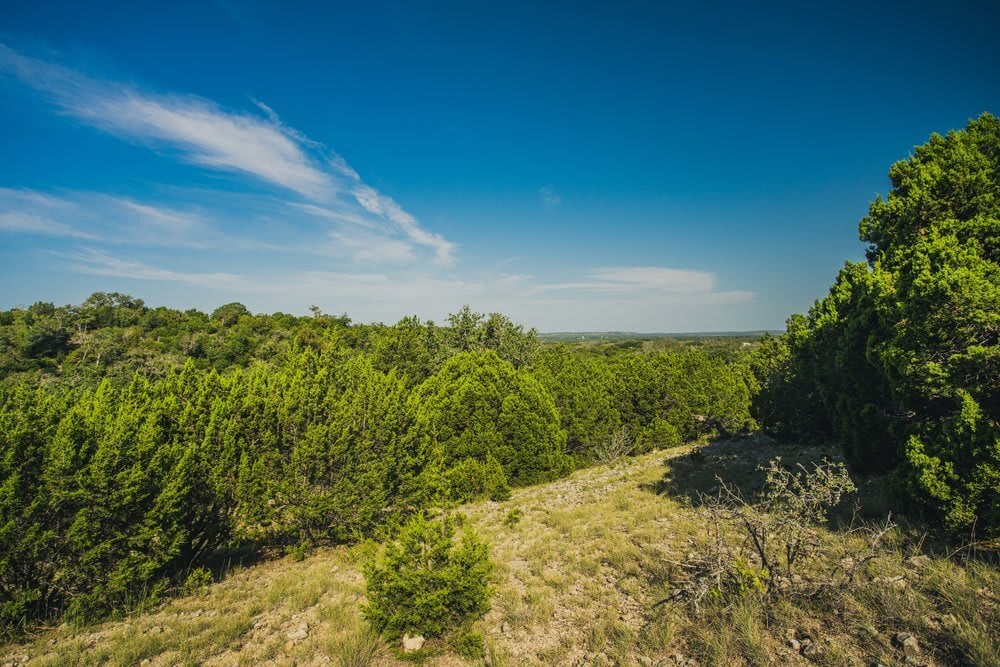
(162, 218)
(332, 214)
(98, 217)
(15, 221)
(641, 278)
(29, 212)
(373, 249)
(204, 134)
(387, 296)
(99, 263)
(549, 195)
(198, 129)
(374, 202)
(357, 286)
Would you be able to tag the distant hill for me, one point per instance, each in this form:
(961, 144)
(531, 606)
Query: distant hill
(588, 336)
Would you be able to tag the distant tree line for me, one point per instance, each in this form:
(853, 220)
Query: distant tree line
(138, 443)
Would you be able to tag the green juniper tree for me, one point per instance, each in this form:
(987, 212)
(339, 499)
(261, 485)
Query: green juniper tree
(480, 407)
(903, 353)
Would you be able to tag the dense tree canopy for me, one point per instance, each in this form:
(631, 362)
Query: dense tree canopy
(903, 354)
(480, 407)
(585, 390)
(138, 442)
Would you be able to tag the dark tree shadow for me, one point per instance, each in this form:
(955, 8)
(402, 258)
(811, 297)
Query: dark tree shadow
(736, 461)
(694, 478)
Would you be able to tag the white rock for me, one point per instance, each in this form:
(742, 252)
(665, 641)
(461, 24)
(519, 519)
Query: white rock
(909, 644)
(298, 632)
(413, 643)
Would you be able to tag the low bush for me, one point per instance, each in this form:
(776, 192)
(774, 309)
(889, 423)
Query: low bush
(472, 479)
(779, 532)
(428, 582)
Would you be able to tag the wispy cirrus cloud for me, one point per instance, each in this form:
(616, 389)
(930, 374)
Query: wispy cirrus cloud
(638, 278)
(376, 203)
(366, 249)
(333, 214)
(198, 129)
(649, 284)
(309, 285)
(201, 132)
(658, 278)
(99, 217)
(549, 195)
(30, 212)
(115, 221)
(99, 263)
(26, 223)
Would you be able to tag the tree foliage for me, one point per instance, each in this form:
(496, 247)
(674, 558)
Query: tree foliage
(427, 582)
(585, 391)
(902, 356)
(139, 444)
(480, 407)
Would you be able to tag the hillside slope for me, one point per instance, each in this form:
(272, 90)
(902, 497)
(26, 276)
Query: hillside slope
(583, 563)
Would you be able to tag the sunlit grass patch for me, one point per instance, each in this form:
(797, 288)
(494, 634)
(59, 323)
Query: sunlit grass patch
(578, 579)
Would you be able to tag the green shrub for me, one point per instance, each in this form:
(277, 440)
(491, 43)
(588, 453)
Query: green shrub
(297, 552)
(472, 479)
(469, 645)
(197, 580)
(513, 517)
(660, 434)
(584, 388)
(427, 582)
(480, 407)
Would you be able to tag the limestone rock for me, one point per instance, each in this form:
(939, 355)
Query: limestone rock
(414, 643)
(898, 581)
(297, 632)
(908, 643)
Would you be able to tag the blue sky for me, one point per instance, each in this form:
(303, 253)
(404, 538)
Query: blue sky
(646, 166)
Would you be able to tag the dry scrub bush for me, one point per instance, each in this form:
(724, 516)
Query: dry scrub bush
(619, 445)
(780, 532)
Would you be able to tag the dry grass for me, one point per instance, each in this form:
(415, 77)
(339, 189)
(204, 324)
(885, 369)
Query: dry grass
(580, 573)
